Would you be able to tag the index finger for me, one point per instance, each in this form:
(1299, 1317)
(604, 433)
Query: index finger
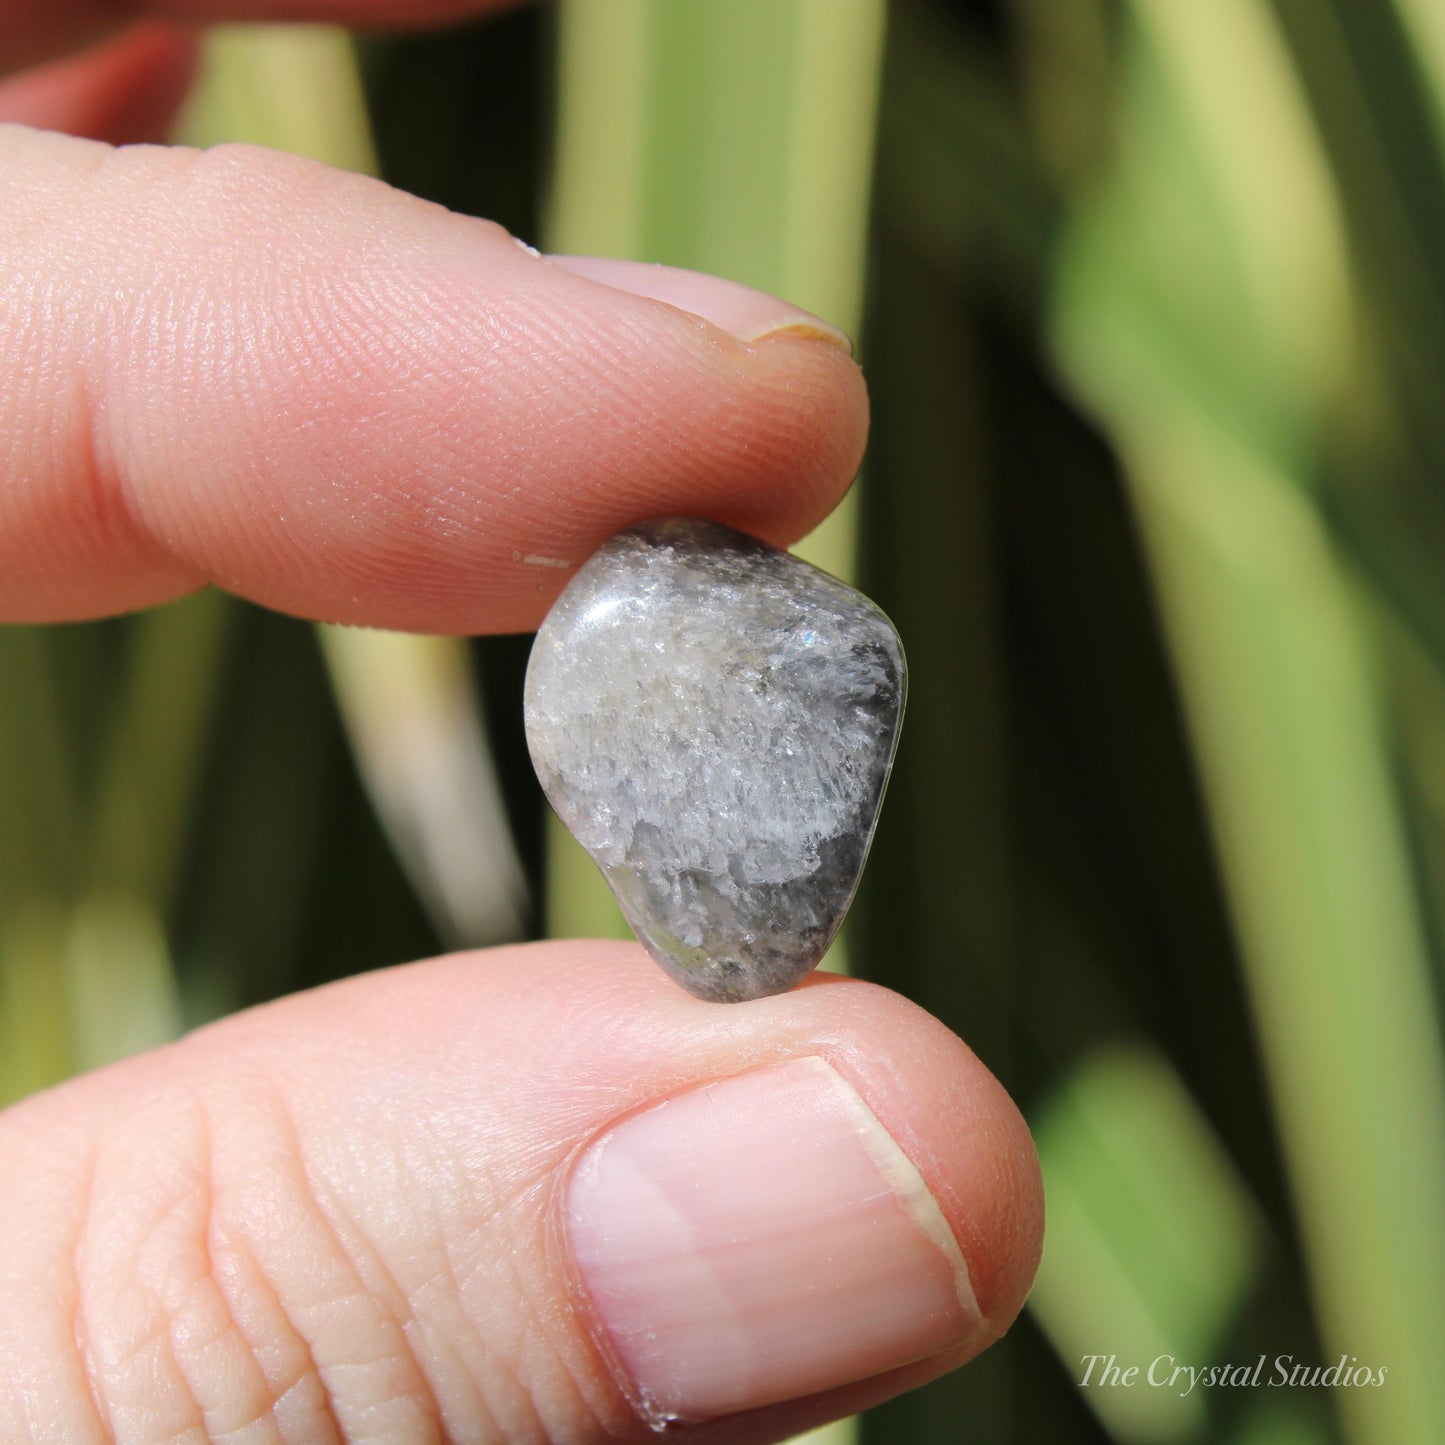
(332, 398)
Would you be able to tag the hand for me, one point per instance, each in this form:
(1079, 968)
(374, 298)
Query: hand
(534, 1193)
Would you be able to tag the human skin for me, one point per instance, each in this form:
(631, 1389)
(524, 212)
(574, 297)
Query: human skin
(398, 1208)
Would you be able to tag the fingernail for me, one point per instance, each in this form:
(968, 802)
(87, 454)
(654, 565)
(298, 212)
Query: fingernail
(749, 315)
(761, 1239)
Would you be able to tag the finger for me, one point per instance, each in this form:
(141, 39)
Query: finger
(33, 31)
(533, 1194)
(126, 89)
(243, 368)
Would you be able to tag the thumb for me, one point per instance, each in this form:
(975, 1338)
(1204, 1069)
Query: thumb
(533, 1194)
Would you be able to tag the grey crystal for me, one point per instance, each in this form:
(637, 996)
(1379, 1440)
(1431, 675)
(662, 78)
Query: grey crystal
(715, 722)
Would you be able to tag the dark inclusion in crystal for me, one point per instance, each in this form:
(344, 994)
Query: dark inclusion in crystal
(715, 721)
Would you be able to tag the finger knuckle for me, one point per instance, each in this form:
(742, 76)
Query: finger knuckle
(213, 1298)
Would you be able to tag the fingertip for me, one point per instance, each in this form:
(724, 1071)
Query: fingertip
(824, 420)
(866, 1204)
(809, 443)
(962, 1129)
(741, 311)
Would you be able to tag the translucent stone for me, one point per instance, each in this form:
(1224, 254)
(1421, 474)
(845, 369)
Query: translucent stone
(715, 721)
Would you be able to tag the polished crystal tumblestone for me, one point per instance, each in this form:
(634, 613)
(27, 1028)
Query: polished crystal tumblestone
(715, 721)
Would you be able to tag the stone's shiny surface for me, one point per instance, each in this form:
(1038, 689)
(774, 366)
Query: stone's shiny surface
(715, 721)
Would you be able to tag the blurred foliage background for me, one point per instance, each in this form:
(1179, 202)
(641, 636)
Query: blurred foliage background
(1150, 297)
